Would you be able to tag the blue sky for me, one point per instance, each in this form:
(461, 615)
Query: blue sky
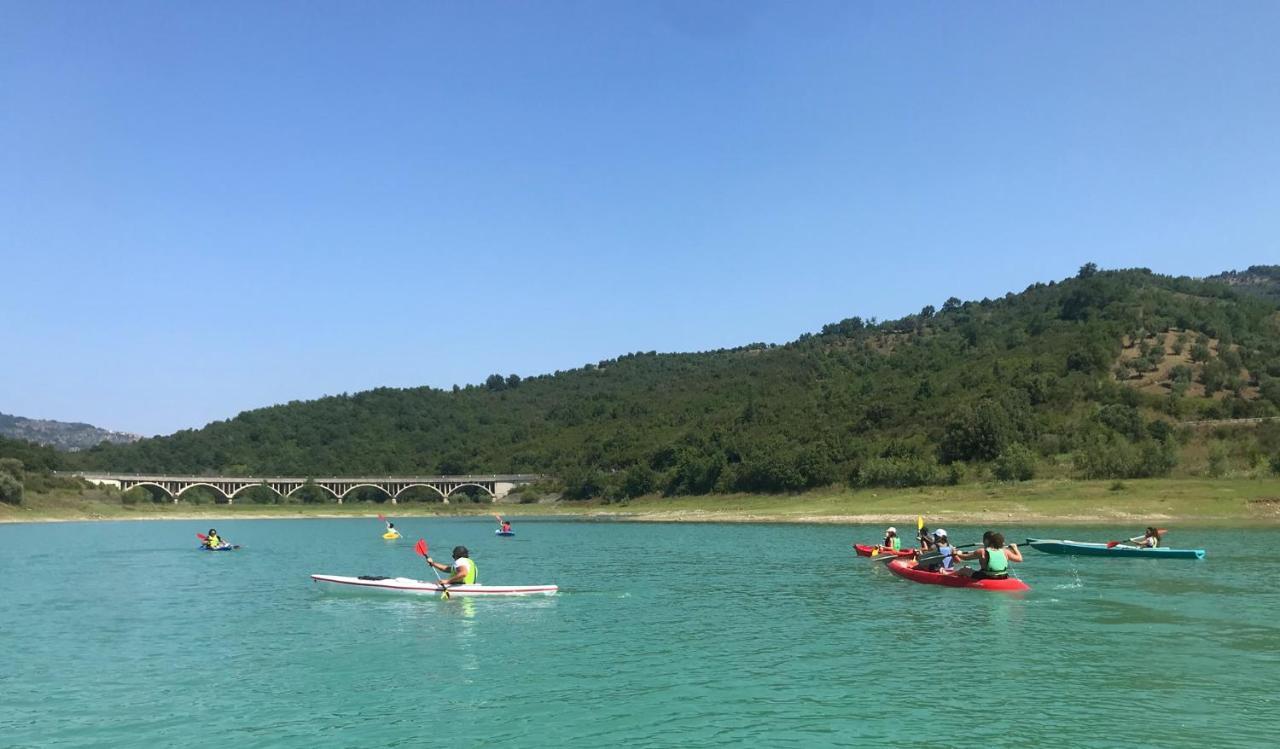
(211, 207)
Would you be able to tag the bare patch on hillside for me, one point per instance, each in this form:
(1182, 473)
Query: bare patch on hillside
(1148, 364)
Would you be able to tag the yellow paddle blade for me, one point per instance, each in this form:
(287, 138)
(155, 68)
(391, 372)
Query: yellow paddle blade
(875, 551)
(919, 522)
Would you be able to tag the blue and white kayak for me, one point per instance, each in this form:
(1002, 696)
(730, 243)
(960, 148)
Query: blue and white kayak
(501, 532)
(222, 547)
(1085, 549)
(377, 584)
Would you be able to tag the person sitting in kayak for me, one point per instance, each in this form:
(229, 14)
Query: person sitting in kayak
(891, 540)
(212, 540)
(941, 554)
(993, 558)
(463, 569)
(1148, 540)
(925, 538)
(391, 528)
(506, 526)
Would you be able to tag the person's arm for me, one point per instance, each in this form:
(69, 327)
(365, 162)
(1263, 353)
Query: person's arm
(962, 556)
(1012, 554)
(437, 565)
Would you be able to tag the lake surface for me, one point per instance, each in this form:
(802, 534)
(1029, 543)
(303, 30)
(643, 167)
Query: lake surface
(664, 635)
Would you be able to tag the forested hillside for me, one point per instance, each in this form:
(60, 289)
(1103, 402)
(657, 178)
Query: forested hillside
(1088, 377)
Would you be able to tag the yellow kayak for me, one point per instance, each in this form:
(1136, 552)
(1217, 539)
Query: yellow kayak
(391, 536)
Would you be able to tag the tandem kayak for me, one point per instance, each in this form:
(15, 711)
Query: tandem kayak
(222, 547)
(504, 533)
(907, 568)
(1084, 549)
(863, 550)
(376, 584)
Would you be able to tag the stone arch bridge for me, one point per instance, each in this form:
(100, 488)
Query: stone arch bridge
(496, 486)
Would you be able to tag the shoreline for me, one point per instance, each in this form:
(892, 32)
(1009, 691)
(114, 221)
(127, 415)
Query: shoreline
(584, 514)
(1233, 502)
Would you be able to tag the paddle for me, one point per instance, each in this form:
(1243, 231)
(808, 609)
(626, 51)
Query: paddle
(421, 548)
(931, 557)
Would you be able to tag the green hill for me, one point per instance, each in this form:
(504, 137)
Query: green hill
(1087, 377)
(1259, 280)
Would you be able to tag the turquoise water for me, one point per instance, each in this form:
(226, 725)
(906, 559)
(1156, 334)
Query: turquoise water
(664, 635)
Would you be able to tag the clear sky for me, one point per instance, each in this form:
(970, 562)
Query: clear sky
(211, 207)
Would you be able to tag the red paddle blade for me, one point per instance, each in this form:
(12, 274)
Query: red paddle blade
(380, 517)
(201, 536)
(421, 547)
(1113, 544)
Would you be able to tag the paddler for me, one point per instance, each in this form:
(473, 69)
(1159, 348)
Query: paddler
(212, 541)
(891, 540)
(463, 569)
(1148, 540)
(941, 555)
(993, 558)
(391, 528)
(925, 539)
(506, 526)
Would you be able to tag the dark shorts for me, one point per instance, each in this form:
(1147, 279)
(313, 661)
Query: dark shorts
(984, 575)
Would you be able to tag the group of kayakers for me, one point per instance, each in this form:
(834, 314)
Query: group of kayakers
(938, 554)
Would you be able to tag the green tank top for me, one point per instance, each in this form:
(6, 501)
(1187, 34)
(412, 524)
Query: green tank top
(997, 562)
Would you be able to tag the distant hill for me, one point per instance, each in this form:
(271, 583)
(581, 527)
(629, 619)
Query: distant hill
(1088, 376)
(70, 436)
(1259, 280)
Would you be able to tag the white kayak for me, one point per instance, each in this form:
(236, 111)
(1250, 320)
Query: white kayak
(426, 587)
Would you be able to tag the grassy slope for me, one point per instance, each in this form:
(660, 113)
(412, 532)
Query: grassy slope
(1233, 502)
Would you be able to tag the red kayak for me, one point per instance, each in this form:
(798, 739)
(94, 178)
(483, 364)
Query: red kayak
(907, 568)
(865, 551)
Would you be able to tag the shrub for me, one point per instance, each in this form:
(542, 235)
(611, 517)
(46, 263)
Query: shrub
(1015, 463)
(1217, 460)
(900, 472)
(1117, 459)
(10, 489)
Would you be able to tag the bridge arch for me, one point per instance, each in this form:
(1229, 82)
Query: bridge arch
(178, 494)
(247, 487)
(379, 487)
(164, 489)
(481, 487)
(444, 497)
(299, 487)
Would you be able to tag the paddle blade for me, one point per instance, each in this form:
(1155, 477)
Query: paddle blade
(421, 548)
(875, 551)
(1113, 544)
(498, 518)
(919, 523)
(382, 517)
(201, 536)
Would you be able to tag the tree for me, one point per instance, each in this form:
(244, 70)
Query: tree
(1088, 270)
(1015, 463)
(977, 433)
(10, 489)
